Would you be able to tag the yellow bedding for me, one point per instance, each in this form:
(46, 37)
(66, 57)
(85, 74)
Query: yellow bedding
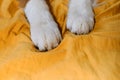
(94, 56)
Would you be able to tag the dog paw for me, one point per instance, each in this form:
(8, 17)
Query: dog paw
(45, 35)
(80, 23)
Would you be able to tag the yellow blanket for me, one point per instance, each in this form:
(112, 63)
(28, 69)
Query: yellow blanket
(94, 56)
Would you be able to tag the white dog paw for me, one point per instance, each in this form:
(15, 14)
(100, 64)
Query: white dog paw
(80, 23)
(46, 35)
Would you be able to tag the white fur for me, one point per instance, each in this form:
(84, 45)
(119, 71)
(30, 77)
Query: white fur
(80, 16)
(44, 30)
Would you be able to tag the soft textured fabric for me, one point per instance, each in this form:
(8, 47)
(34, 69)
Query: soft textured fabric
(94, 56)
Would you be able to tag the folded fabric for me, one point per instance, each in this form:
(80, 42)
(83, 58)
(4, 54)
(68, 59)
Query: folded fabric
(94, 56)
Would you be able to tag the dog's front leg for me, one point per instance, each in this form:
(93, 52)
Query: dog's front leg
(44, 30)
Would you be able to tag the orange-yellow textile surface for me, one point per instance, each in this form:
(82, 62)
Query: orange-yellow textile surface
(94, 56)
